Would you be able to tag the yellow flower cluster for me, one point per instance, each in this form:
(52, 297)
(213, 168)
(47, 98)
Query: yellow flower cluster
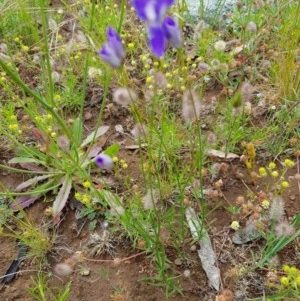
(292, 279)
(121, 162)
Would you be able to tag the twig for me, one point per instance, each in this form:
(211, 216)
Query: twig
(116, 259)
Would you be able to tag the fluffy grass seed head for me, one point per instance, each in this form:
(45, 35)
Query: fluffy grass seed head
(277, 209)
(284, 229)
(160, 80)
(191, 105)
(220, 46)
(63, 269)
(139, 131)
(124, 96)
(246, 92)
(251, 26)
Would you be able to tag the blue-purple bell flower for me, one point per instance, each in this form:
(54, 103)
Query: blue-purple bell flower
(104, 161)
(112, 52)
(160, 28)
(157, 40)
(172, 32)
(159, 35)
(151, 10)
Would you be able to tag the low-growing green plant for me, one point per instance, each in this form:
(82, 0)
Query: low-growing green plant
(42, 291)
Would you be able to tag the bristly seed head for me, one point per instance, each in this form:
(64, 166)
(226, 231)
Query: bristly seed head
(277, 209)
(284, 229)
(191, 106)
(124, 96)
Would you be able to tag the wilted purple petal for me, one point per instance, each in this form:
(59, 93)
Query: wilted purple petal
(23, 201)
(151, 10)
(109, 56)
(115, 42)
(157, 40)
(104, 161)
(112, 52)
(172, 32)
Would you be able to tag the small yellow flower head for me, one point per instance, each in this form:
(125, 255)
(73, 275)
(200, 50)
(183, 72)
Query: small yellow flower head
(262, 172)
(78, 196)
(16, 39)
(265, 204)
(49, 116)
(235, 225)
(285, 184)
(286, 268)
(165, 66)
(86, 200)
(169, 86)
(25, 48)
(130, 45)
(272, 165)
(144, 58)
(294, 272)
(274, 174)
(53, 134)
(284, 281)
(149, 80)
(155, 64)
(188, 59)
(289, 163)
(182, 88)
(87, 184)
(168, 74)
(125, 166)
(122, 161)
(57, 97)
(115, 159)
(248, 164)
(115, 5)
(251, 150)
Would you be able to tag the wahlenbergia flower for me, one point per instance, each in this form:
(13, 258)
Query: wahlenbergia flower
(112, 52)
(104, 161)
(151, 10)
(161, 28)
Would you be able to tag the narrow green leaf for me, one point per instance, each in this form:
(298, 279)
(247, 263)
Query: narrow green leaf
(62, 196)
(23, 160)
(77, 132)
(95, 134)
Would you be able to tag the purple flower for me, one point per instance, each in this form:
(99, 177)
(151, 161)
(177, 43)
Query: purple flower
(157, 40)
(172, 32)
(160, 28)
(112, 52)
(159, 34)
(151, 10)
(104, 161)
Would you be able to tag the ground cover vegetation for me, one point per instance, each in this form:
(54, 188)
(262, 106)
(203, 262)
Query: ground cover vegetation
(148, 155)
